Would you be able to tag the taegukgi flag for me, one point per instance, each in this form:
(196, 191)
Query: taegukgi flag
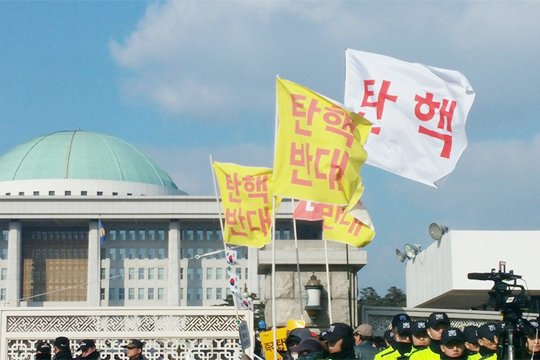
(418, 114)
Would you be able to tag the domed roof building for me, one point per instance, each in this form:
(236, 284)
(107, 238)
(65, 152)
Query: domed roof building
(82, 163)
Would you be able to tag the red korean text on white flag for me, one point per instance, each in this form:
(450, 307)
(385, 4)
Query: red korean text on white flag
(418, 114)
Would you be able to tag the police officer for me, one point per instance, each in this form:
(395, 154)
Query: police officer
(532, 344)
(43, 351)
(88, 348)
(437, 322)
(340, 339)
(471, 342)
(61, 348)
(419, 336)
(488, 341)
(452, 344)
(402, 342)
(134, 350)
(389, 335)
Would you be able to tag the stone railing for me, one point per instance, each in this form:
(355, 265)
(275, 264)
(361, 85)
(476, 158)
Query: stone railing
(192, 333)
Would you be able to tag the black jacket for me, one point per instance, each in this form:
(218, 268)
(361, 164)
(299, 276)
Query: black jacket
(63, 354)
(94, 355)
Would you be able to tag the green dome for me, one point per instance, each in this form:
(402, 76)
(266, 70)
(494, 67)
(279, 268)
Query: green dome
(81, 155)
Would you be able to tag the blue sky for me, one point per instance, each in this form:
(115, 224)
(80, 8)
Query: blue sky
(184, 80)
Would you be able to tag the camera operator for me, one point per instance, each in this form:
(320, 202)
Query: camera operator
(488, 341)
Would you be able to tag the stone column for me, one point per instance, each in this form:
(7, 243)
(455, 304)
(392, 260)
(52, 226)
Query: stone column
(93, 291)
(14, 264)
(173, 281)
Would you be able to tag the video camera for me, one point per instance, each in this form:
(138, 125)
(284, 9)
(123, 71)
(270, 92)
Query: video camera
(511, 300)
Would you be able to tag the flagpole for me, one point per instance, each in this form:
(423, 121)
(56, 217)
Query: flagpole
(328, 286)
(274, 326)
(223, 237)
(297, 263)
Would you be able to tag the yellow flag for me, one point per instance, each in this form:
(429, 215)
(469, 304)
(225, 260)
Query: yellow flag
(267, 342)
(340, 225)
(319, 150)
(246, 193)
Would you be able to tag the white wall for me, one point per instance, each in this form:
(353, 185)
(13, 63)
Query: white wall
(444, 265)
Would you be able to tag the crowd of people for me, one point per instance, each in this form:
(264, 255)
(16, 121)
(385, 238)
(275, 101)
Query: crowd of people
(60, 349)
(407, 339)
(430, 339)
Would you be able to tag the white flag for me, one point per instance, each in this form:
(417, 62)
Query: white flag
(233, 281)
(418, 114)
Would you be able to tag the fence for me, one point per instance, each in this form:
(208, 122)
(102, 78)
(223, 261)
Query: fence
(193, 333)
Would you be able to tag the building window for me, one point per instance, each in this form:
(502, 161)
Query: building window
(84, 193)
(208, 251)
(152, 235)
(209, 294)
(36, 193)
(190, 253)
(286, 234)
(122, 234)
(112, 274)
(132, 235)
(112, 235)
(246, 273)
(3, 294)
(67, 193)
(199, 274)
(151, 253)
(121, 294)
(103, 273)
(140, 295)
(102, 293)
(190, 274)
(190, 236)
(131, 253)
(131, 294)
(219, 236)
(3, 276)
(4, 254)
(131, 274)
(160, 293)
(209, 273)
(100, 193)
(161, 253)
(229, 292)
(189, 293)
(181, 293)
(150, 274)
(112, 294)
(142, 235)
(141, 273)
(5, 235)
(112, 253)
(199, 293)
(219, 294)
(161, 274)
(115, 194)
(181, 273)
(51, 193)
(151, 294)
(200, 235)
(200, 251)
(219, 273)
(239, 273)
(122, 273)
(161, 235)
(209, 234)
(121, 254)
(142, 254)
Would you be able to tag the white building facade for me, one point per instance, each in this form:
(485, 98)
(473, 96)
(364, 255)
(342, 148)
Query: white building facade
(437, 277)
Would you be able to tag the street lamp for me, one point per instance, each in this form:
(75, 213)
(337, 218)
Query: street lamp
(313, 299)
